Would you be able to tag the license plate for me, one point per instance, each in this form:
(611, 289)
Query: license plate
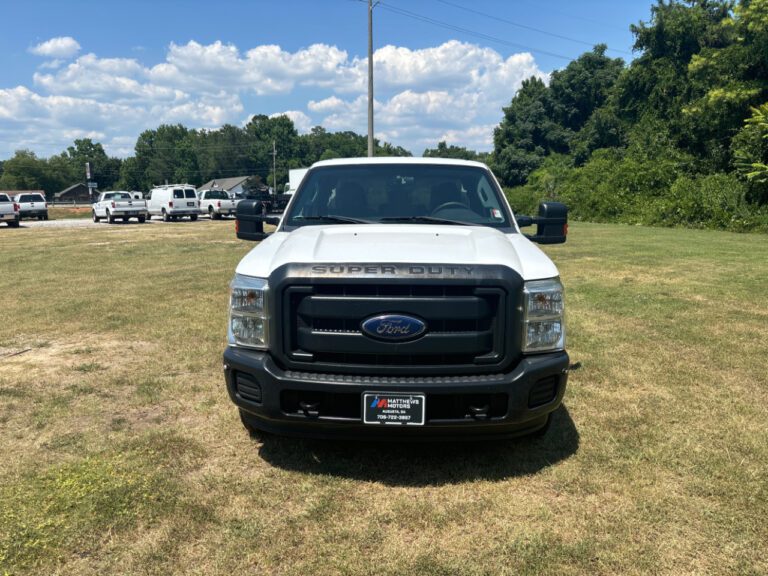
(190, 203)
(393, 408)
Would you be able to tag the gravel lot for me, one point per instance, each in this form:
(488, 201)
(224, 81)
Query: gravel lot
(88, 223)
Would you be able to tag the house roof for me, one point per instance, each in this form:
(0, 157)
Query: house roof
(225, 184)
(70, 189)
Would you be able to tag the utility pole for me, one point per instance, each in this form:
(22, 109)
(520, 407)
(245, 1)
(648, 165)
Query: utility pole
(370, 77)
(274, 168)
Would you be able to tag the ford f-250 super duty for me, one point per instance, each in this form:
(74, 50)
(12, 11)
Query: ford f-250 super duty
(397, 298)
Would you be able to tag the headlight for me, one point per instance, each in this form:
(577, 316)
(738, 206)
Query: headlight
(543, 316)
(248, 312)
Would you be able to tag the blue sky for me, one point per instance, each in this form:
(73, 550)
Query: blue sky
(444, 68)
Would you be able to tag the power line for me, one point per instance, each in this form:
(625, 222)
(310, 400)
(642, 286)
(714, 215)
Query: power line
(526, 27)
(467, 31)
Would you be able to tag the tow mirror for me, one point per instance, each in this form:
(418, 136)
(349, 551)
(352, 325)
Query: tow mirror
(552, 223)
(250, 219)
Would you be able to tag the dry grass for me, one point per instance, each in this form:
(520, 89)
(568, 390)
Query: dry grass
(122, 453)
(61, 212)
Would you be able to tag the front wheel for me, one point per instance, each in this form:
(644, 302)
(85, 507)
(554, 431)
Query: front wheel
(96, 218)
(14, 224)
(149, 216)
(193, 217)
(142, 219)
(45, 217)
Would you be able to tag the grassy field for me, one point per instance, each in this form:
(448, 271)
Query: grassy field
(121, 452)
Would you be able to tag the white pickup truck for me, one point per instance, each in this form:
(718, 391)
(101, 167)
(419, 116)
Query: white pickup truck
(114, 205)
(397, 298)
(217, 203)
(9, 211)
(32, 205)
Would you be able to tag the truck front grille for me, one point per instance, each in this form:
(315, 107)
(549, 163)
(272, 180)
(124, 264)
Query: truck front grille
(466, 325)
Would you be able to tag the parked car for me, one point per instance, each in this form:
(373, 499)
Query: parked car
(9, 211)
(398, 299)
(122, 205)
(173, 201)
(217, 203)
(267, 200)
(32, 205)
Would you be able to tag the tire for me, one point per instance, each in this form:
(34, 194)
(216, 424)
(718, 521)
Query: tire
(166, 218)
(149, 216)
(96, 218)
(40, 218)
(125, 218)
(211, 213)
(110, 218)
(13, 224)
(142, 219)
(193, 217)
(45, 217)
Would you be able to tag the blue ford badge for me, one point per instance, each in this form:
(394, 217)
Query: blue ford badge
(393, 327)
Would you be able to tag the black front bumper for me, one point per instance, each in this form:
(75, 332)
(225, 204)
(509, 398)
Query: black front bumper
(519, 401)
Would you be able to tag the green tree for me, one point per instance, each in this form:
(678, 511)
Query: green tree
(104, 170)
(24, 171)
(459, 152)
(583, 86)
(527, 133)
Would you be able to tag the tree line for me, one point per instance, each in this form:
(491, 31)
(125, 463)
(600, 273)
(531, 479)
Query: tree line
(677, 137)
(174, 153)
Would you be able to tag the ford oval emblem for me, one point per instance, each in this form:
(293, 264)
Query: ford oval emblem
(393, 327)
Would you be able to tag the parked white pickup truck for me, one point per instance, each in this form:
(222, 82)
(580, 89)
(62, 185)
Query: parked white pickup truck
(114, 205)
(9, 211)
(397, 298)
(31, 205)
(217, 203)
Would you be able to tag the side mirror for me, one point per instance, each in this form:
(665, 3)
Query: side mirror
(251, 217)
(552, 223)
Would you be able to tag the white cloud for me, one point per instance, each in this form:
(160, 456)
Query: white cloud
(453, 92)
(61, 47)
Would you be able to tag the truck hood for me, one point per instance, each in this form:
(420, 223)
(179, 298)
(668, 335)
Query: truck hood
(395, 244)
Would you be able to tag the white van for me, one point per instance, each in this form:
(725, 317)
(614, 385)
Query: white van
(173, 201)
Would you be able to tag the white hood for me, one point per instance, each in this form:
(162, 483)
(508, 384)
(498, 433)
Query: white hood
(398, 243)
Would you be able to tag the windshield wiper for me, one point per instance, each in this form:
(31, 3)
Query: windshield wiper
(426, 220)
(335, 219)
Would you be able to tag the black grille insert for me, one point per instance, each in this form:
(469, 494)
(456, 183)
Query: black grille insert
(465, 324)
(543, 392)
(247, 388)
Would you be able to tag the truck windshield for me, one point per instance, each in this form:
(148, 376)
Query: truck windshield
(400, 193)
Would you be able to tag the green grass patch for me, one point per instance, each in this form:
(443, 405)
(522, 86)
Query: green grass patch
(123, 454)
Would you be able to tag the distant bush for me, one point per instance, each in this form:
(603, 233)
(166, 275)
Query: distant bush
(619, 186)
